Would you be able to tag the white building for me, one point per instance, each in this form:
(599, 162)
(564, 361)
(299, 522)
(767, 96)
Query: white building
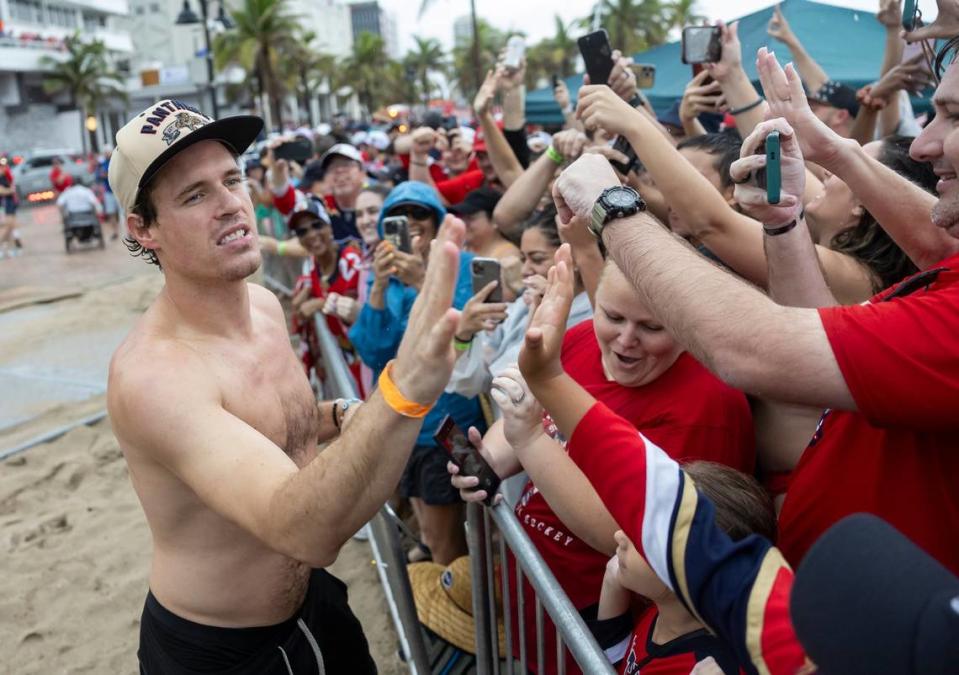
(31, 29)
(462, 30)
(330, 21)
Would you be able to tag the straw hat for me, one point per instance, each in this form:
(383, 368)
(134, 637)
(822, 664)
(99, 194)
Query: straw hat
(444, 602)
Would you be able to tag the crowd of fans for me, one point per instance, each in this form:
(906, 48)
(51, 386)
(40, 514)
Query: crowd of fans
(690, 404)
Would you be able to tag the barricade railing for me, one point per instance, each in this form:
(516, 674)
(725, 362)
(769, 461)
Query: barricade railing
(383, 528)
(571, 631)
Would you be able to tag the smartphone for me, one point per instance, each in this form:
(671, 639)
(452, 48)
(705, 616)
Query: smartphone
(555, 81)
(515, 51)
(396, 230)
(483, 271)
(702, 44)
(632, 161)
(464, 455)
(299, 150)
(770, 177)
(910, 14)
(597, 56)
(645, 75)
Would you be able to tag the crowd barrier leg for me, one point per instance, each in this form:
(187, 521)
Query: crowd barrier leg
(476, 537)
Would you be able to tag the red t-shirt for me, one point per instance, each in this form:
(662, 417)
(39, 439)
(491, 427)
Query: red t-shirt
(60, 179)
(687, 411)
(345, 281)
(898, 457)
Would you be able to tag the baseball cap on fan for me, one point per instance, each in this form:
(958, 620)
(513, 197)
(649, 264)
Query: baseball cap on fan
(155, 136)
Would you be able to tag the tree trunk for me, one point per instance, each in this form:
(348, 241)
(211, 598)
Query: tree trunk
(271, 88)
(307, 96)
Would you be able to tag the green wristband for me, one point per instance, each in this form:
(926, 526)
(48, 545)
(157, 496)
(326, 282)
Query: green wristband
(554, 155)
(460, 345)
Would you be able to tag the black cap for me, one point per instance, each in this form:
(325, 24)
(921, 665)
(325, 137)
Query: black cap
(312, 173)
(837, 95)
(867, 600)
(481, 199)
(310, 208)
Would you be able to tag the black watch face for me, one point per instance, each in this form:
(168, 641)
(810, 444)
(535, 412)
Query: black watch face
(621, 198)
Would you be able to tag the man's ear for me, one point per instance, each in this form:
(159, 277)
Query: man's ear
(141, 232)
(841, 117)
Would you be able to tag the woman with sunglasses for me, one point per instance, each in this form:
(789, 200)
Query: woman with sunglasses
(397, 277)
(330, 269)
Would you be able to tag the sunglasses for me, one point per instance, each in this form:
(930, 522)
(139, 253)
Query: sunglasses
(304, 229)
(412, 212)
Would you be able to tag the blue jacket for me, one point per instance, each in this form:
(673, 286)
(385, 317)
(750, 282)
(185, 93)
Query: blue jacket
(377, 333)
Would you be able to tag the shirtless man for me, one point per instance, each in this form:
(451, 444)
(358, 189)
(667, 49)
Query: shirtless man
(219, 425)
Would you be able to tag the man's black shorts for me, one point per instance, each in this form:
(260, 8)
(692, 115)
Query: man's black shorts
(323, 629)
(426, 477)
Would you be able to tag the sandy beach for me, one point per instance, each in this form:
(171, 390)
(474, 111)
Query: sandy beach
(76, 546)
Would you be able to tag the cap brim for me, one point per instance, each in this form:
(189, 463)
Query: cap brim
(464, 209)
(237, 132)
(302, 215)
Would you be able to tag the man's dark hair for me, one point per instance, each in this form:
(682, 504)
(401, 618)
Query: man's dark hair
(866, 241)
(143, 207)
(724, 146)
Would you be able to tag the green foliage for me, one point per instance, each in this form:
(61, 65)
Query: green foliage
(428, 57)
(86, 75)
(262, 26)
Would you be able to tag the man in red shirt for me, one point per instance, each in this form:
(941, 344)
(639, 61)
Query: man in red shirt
(59, 179)
(888, 370)
(453, 190)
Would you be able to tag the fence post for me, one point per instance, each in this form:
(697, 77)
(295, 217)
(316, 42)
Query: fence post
(476, 535)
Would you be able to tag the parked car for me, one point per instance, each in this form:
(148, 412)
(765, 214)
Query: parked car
(32, 176)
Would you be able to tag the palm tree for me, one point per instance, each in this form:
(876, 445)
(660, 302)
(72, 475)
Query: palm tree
(475, 53)
(87, 76)
(633, 26)
(682, 13)
(363, 69)
(484, 48)
(551, 56)
(303, 68)
(261, 26)
(426, 58)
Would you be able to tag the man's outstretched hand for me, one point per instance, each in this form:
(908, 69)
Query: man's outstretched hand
(539, 358)
(425, 357)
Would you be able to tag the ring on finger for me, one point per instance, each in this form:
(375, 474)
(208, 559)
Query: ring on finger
(745, 179)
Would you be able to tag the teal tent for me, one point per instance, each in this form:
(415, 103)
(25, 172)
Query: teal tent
(847, 43)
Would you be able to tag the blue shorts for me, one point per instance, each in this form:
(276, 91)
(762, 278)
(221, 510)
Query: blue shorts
(110, 206)
(9, 204)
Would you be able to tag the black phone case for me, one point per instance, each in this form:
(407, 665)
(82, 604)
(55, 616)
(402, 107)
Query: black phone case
(467, 458)
(597, 56)
(623, 146)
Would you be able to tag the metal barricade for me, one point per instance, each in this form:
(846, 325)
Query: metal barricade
(384, 532)
(571, 630)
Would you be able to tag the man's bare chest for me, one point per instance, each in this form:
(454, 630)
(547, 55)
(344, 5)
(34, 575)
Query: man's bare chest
(266, 387)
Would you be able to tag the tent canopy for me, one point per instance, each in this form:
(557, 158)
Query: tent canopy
(847, 43)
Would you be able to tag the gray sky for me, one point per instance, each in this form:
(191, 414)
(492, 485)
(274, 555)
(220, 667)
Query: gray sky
(535, 17)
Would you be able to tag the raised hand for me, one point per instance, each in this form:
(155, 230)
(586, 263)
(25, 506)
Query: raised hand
(480, 315)
(912, 75)
(425, 357)
(945, 26)
(753, 198)
(732, 59)
(785, 96)
(539, 358)
(484, 97)
(522, 413)
(600, 108)
(467, 484)
(581, 184)
(570, 143)
(622, 79)
(699, 97)
(779, 28)
(890, 13)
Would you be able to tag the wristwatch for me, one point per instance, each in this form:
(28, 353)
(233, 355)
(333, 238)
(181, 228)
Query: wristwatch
(340, 406)
(615, 202)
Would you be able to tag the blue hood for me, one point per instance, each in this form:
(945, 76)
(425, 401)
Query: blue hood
(412, 192)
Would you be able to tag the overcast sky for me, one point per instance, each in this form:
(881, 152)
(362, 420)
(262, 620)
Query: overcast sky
(535, 17)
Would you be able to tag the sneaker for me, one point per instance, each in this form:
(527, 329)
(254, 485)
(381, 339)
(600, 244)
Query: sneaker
(17, 242)
(419, 553)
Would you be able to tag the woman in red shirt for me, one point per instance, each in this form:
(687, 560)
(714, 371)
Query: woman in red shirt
(330, 268)
(625, 359)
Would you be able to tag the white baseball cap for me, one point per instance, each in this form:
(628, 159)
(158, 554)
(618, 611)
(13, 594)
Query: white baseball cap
(153, 137)
(341, 150)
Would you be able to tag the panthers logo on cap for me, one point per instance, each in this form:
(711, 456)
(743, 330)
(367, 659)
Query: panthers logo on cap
(182, 120)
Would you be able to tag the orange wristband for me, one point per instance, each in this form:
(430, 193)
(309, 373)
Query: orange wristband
(395, 400)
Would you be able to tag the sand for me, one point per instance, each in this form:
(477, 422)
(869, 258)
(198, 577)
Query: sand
(75, 544)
